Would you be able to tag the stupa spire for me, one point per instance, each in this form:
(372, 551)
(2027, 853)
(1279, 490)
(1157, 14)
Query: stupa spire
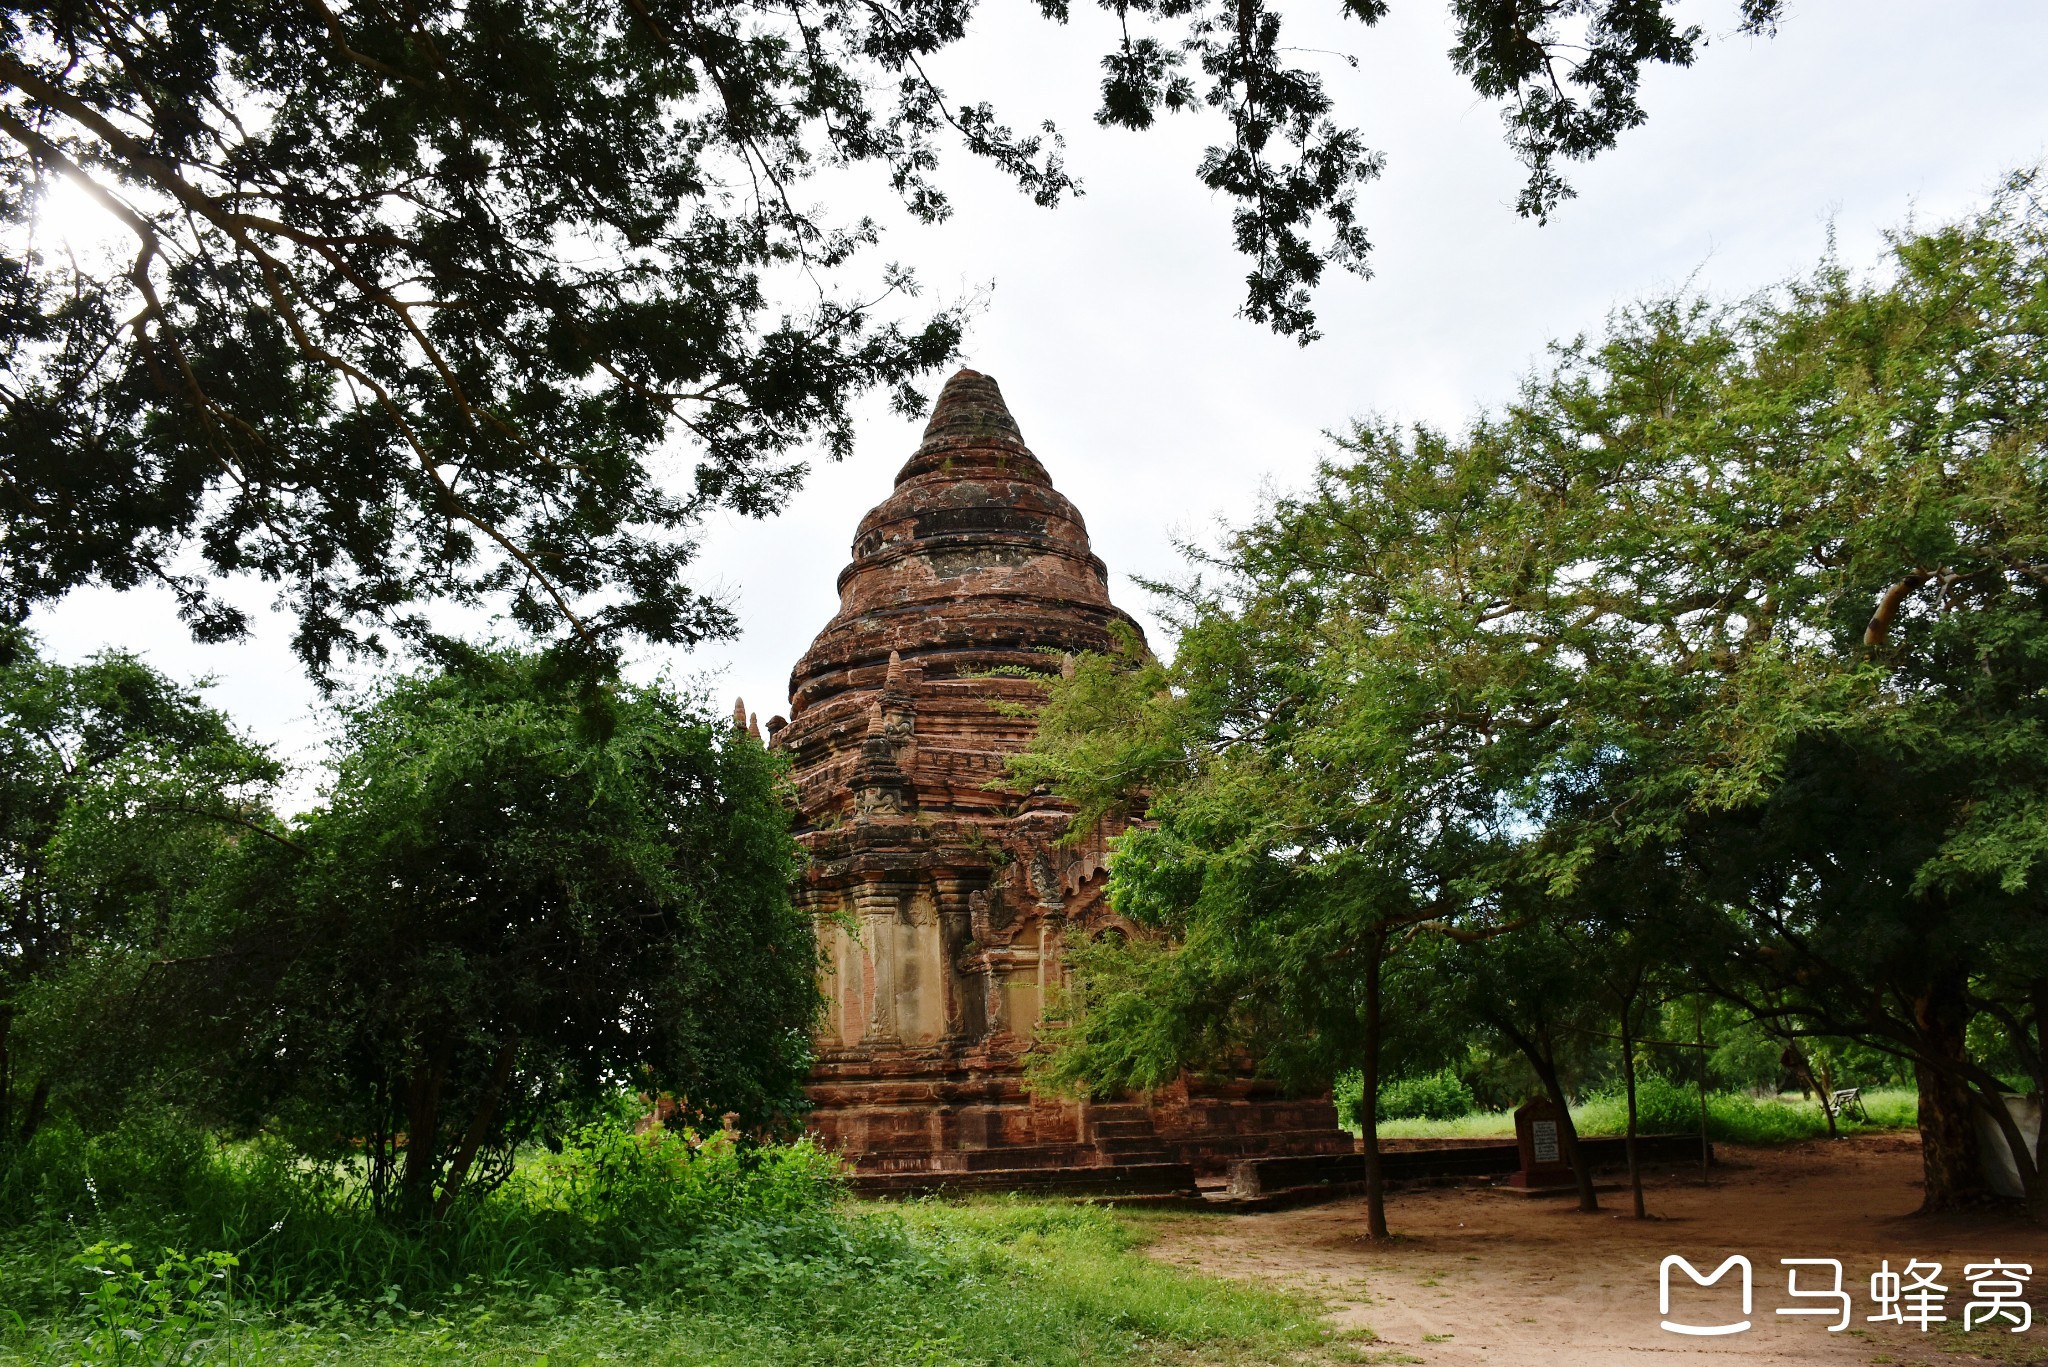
(973, 563)
(971, 405)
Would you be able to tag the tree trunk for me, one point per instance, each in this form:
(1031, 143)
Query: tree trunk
(479, 1124)
(1954, 1176)
(6, 1074)
(1699, 1038)
(1628, 1077)
(385, 1148)
(38, 1102)
(422, 1131)
(1825, 1085)
(2037, 1065)
(1369, 1099)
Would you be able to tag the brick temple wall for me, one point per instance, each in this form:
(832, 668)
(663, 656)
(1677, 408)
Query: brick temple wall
(944, 899)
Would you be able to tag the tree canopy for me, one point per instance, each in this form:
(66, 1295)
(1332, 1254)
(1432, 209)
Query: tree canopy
(119, 793)
(522, 894)
(1746, 597)
(420, 303)
(526, 893)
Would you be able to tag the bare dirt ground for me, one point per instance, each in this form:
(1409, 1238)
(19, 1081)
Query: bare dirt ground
(1484, 1276)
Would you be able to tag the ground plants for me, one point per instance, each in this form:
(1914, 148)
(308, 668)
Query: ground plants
(663, 1246)
(163, 1309)
(1441, 1095)
(1667, 1107)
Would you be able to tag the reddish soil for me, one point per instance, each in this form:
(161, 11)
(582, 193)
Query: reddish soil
(1477, 1275)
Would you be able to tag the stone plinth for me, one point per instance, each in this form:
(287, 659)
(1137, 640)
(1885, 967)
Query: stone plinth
(943, 898)
(1539, 1141)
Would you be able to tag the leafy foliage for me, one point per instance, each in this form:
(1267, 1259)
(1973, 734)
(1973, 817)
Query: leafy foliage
(687, 1249)
(415, 299)
(1719, 651)
(161, 1311)
(523, 892)
(1441, 1095)
(429, 302)
(119, 792)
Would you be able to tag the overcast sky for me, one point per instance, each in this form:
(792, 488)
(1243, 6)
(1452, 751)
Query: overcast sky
(1111, 322)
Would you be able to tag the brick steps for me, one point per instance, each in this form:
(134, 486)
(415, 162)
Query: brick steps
(1123, 1180)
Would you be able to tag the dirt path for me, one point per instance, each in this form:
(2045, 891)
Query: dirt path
(1483, 1276)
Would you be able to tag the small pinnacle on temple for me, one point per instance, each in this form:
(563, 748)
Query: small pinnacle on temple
(894, 678)
(1067, 665)
(876, 722)
(969, 404)
(739, 713)
(753, 727)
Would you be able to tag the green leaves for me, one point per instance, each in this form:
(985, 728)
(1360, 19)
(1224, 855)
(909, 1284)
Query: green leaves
(418, 305)
(1721, 649)
(120, 793)
(154, 1312)
(527, 888)
(409, 305)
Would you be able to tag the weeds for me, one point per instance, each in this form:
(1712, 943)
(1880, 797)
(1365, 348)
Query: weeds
(651, 1248)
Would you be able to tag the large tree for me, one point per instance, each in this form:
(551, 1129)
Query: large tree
(1809, 539)
(413, 302)
(119, 792)
(525, 891)
(1320, 774)
(1754, 594)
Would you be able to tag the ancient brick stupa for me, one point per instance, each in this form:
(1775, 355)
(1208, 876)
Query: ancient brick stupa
(972, 577)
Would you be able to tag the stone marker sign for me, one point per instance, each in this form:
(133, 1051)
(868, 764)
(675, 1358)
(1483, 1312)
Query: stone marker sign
(1539, 1137)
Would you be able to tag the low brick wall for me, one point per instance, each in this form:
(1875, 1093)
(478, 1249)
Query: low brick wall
(1256, 1177)
(1107, 1182)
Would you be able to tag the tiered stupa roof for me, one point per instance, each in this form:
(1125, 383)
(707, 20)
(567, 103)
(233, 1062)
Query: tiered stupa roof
(972, 569)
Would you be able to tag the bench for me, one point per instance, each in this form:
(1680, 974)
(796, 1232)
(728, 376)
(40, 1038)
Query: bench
(1848, 1101)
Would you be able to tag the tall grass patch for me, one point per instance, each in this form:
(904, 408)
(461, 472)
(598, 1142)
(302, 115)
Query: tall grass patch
(1664, 1107)
(145, 1246)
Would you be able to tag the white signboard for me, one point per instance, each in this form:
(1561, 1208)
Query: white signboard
(1543, 1140)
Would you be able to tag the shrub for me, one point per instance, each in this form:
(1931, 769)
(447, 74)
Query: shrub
(1433, 1096)
(138, 1311)
(1438, 1096)
(608, 1175)
(652, 1247)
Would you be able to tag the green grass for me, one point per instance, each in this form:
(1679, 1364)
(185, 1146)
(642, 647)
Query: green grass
(1024, 1283)
(1734, 1117)
(621, 1250)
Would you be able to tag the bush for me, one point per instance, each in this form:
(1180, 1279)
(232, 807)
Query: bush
(1662, 1107)
(1439, 1096)
(609, 1176)
(168, 1310)
(1433, 1096)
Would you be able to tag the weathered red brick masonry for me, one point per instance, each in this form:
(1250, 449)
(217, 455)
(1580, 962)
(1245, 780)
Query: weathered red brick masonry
(961, 895)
